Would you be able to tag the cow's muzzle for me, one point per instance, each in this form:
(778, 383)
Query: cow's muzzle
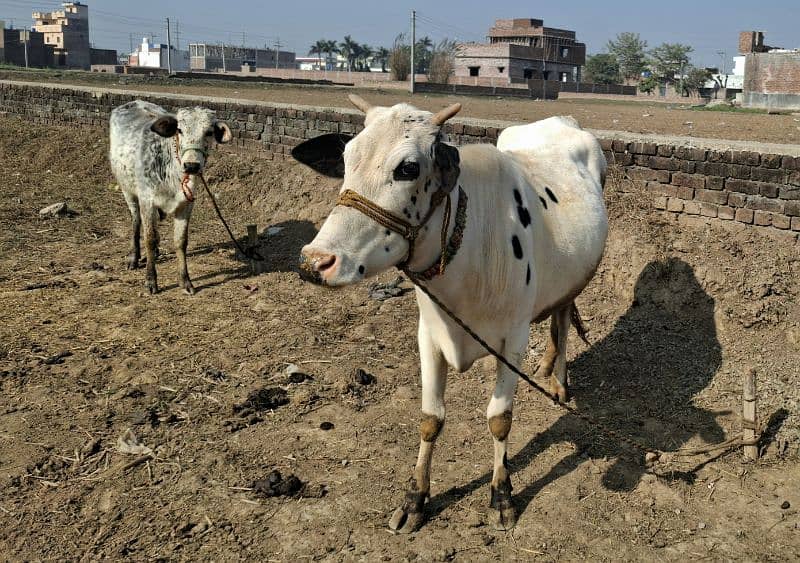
(316, 266)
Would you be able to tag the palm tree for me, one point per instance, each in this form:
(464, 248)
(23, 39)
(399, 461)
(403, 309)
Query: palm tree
(347, 49)
(330, 49)
(317, 49)
(382, 54)
(423, 53)
(366, 54)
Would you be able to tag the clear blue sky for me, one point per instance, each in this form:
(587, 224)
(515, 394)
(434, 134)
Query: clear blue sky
(707, 26)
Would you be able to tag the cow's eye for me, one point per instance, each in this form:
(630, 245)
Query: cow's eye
(209, 133)
(407, 170)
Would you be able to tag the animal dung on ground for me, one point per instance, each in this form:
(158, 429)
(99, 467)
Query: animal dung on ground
(326, 426)
(263, 399)
(362, 377)
(276, 485)
(295, 375)
(384, 291)
(59, 209)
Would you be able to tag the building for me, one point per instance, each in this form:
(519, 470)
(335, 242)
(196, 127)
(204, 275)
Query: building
(522, 49)
(152, 55)
(771, 75)
(67, 31)
(23, 48)
(725, 85)
(206, 57)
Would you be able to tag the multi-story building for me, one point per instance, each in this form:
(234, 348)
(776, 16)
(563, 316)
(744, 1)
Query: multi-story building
(213, 58)
(155, 56)
(522, 49)
(23, 48)
(67, 31)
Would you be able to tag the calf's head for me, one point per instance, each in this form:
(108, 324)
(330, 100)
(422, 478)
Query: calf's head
(400, 165)
(194, 129)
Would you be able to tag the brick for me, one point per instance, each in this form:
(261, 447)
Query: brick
(689, 180)
(664, 150)
(794, 177)
(726, 213)
(607, 144)
(675, 205)
(788, 192)
(708, 210)
(796, 223)
(649, 149)
(712, 169)
(685, 193)
(738, 171)
(746, 157)
(663, 163)
(737, 200)
(691, 208)
(688, 166)
(640, 174)
(762, 218)
(714, 182)
(720, 156)
(667, 190)
(792, 208)
(741, 186)
(781, 221)
(711, 196)
(765, 204)
(619, 146)
(660, 202)
(744, 216)
(768, 175)
(771, 160)
(690, 153)
(790, 162)
(622, 158)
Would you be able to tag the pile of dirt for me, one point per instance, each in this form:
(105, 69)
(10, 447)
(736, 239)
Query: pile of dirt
(678, 312)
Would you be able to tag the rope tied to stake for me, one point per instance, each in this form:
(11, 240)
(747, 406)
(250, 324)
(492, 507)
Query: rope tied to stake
(250, 253)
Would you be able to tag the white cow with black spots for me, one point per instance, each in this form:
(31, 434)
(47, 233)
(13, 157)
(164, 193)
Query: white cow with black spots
(155, 156)
(530, 217)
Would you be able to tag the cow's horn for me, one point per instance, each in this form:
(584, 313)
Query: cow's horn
(360, 102)
(443, 115)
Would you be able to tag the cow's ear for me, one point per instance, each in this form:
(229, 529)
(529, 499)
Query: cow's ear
(166, 126)
(324, 154)
(447, 162)
(222, 133)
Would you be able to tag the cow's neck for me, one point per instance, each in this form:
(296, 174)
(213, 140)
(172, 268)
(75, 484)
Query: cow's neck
(428, 247)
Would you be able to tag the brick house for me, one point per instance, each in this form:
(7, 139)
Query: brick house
(771, 75)
(522, 49)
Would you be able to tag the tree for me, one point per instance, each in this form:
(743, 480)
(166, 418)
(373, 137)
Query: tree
(422, 54)
(629, 50)
(317, 49)
(693, 80)
(400, 58)
(366, 54)
(330, 48)
(648, 85)
(347, 49)
(443, 61)
(382, 54)
(668, 60)
(602, 68)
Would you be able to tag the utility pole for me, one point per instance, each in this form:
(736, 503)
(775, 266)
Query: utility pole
(277, 50)
(243, 39)
(25, 31)
(177, 35)
(224, 68)
(413, 44)
(169, 50)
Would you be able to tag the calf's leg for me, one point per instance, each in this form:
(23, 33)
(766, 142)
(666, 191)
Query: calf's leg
(150, 224)
(409, 516)
(559, 385)
(181, 234)
(136, 219)
(499, 414)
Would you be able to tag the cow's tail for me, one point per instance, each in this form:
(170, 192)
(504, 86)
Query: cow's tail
(577, 322)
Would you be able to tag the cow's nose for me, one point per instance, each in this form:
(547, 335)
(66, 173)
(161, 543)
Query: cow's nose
(316, 266)
(191, 167)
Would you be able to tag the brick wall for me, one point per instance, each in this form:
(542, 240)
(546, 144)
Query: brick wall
(722, 180)
(772, 80)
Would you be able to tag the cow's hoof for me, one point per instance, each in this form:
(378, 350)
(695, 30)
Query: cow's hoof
(188, 288)
(558, 391)
(503, 519)
(133, 262)
(404, 521)
(152, 286)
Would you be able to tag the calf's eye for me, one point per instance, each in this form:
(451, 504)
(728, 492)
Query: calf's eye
(209, 133)
(407, 170)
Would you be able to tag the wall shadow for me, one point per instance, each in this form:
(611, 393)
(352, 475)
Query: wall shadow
(640, 380)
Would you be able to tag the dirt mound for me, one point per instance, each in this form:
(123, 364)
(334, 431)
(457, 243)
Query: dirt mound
(677, 313)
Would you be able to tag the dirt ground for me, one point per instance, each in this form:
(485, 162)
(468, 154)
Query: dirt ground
(132, 426)
(636, 115)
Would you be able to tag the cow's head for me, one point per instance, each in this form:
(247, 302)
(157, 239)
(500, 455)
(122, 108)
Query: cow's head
(195, 128)
(398, 163)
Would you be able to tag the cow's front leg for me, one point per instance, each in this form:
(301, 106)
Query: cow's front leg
(433, 367)
(181, 236)
(499, 413)
(136, 223)
(150, 224)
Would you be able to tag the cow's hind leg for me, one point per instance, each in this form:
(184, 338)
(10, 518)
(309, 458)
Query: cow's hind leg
(181, 235)
(410, 515)
(150, 223)
(136, 220)
(499, 414)
(559, 385)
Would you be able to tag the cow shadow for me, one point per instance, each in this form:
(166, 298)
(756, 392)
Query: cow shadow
(640, 380)
(279, 245)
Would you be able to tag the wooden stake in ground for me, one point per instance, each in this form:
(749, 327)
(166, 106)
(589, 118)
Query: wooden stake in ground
(252, 242)
(749, 417)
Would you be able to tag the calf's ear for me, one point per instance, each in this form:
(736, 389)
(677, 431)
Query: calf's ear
(222, 133)
(324, 154)
(447, 160)
(166, 126)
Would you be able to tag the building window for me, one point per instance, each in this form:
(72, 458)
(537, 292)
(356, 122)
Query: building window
(564, 52)
(474, 70)
(527, 73)
(500, 69)
(563, 76)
